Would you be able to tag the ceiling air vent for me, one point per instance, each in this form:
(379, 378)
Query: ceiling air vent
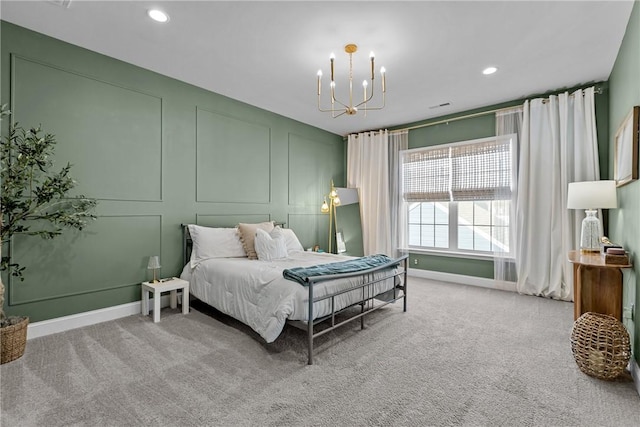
(63, 3)
(446, 104)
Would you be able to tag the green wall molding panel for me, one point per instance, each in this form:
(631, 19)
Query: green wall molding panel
(236, 149)
(156, 153)
(129, 123)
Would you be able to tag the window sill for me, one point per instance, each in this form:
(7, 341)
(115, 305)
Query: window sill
(457, 254)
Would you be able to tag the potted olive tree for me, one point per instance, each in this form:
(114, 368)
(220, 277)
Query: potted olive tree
(34, 201)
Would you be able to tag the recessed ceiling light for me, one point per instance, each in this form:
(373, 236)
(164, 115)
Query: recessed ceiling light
(489, 70)
(158, 15)
(63, 3)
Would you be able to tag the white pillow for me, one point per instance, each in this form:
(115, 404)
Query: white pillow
(270, 246)
(293, 244)
(214, 243)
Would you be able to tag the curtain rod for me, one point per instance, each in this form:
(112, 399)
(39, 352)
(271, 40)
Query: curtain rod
(597, 90)
(453, 119)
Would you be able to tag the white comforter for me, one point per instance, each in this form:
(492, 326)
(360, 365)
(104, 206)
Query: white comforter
(256, 293)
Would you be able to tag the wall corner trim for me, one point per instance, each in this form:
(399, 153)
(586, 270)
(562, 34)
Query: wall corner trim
(79, 320)
(463, 280)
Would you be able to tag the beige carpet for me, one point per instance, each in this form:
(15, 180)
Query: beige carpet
(460, 356)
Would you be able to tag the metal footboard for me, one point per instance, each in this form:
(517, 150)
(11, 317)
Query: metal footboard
(367, 302)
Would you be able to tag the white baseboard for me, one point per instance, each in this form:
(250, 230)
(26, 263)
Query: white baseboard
(462, 279)
(635, 373)
(65, 323)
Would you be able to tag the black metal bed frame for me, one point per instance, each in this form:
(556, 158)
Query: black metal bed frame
(367, 304)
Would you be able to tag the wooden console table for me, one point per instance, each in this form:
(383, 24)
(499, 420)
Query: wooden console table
(597, 286)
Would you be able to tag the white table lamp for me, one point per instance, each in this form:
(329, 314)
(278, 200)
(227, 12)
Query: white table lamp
(591, 196)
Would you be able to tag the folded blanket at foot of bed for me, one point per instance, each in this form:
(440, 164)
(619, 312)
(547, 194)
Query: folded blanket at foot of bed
(302, 274)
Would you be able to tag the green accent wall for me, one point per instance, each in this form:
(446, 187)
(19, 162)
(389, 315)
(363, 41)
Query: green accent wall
(156, 153)
(624, 222)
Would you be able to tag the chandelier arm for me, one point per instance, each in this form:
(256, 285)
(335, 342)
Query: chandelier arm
(333, 111)
(323, 109)
(375, 108)
(366, 100)
(319, 107)
(373, 87)
(372, 108)
(334, 99)
(344, 105)
(330, 110)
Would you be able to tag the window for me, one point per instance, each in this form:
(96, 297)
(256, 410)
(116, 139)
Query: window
(459, 195)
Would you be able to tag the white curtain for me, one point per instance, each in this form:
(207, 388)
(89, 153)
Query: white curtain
(558, 146)
(508, 125)
(368, 170)
(398, 141)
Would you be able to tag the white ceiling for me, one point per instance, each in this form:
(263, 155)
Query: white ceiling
(267, 53)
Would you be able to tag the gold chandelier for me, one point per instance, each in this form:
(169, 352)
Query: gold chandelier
(349, 108)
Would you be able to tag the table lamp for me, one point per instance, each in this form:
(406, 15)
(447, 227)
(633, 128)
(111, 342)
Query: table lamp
(591, 196)
(154, 264)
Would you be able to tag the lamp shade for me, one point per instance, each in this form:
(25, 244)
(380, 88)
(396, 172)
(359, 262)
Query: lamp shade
(592, 195)
(325, 206)
(154, 262)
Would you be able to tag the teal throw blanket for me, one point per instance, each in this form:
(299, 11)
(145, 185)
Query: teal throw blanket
(302, 274)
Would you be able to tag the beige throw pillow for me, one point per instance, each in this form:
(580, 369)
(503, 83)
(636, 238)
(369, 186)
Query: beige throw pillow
(247, 234)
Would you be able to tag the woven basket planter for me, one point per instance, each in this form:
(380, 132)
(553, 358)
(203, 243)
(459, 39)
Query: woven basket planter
(600, 345)
(13, 340)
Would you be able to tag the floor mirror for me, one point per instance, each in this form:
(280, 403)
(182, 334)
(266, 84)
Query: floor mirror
(348, 226)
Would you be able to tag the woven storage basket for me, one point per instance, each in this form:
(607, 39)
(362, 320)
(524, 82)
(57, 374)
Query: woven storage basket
(600, 345)
(13, 340)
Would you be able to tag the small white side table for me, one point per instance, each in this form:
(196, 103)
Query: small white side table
(165, 285)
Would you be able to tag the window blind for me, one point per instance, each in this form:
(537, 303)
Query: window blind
(460, 172)
(426, 175)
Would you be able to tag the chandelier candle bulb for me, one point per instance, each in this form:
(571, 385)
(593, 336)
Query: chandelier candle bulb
(319, 81)
(364, 86)
(371, 55)
(333, 93)
(332, 57)
(383, 71)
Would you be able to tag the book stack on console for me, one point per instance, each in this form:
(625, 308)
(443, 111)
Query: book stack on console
(616, 255)
(606, 244)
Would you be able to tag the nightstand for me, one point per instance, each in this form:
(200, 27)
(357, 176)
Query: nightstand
(597, 286)
(165, 285)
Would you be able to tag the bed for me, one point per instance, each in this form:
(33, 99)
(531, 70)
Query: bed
(226, 273)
